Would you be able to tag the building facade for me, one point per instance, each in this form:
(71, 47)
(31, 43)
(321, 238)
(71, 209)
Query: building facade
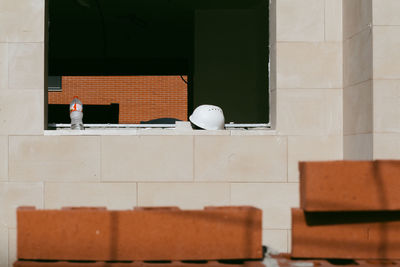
(334, 87)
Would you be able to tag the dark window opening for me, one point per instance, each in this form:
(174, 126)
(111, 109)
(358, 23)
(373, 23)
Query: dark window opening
(93, 113)
(217, 49)
(54, 84)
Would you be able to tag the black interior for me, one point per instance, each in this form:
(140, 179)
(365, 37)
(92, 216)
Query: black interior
(59, 113)
(158, 37)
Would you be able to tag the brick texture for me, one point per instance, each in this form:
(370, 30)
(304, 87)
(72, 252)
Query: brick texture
(285, 260)
(280, 260)
(140, 98)
(142, 234)
(350, 185)
(346, 235)
(136, 264)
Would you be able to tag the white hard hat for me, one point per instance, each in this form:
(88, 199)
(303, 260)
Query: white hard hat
(208, 117)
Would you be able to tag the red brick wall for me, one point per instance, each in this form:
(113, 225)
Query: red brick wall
(140, 98)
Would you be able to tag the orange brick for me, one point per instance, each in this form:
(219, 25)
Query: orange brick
(350, 185)
(346, 235)
(143, 234)
(135, 264)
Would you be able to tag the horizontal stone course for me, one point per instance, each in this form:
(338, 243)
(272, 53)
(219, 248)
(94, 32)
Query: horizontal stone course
(275, 199)
(311, 112)
(111, 195)
(147, 158)
(386, 56)
(313, 65)
(184, 195)
(3, 245)
(308, 148)
(54, 158)
(300, 20)
(22, 21)
(240, 158)
(21, 112)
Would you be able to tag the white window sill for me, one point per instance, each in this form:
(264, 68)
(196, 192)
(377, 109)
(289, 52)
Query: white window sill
(159, 132)
(154, 130)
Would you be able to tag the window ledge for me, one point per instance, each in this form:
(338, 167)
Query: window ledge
(97, 132)
(180, 128)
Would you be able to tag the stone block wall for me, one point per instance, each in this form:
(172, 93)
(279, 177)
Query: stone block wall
(315, 53)
(386, 78)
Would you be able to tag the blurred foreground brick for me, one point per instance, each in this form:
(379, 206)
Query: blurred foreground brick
(281, 260)
(346, 235)
(284, 260)
(87, 234)
(22, 263)
(350, 185)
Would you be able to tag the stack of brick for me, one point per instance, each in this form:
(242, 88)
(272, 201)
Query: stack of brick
(348, 210)
(99, 237)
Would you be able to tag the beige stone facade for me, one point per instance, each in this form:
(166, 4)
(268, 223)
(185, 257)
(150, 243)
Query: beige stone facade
(334, 93)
